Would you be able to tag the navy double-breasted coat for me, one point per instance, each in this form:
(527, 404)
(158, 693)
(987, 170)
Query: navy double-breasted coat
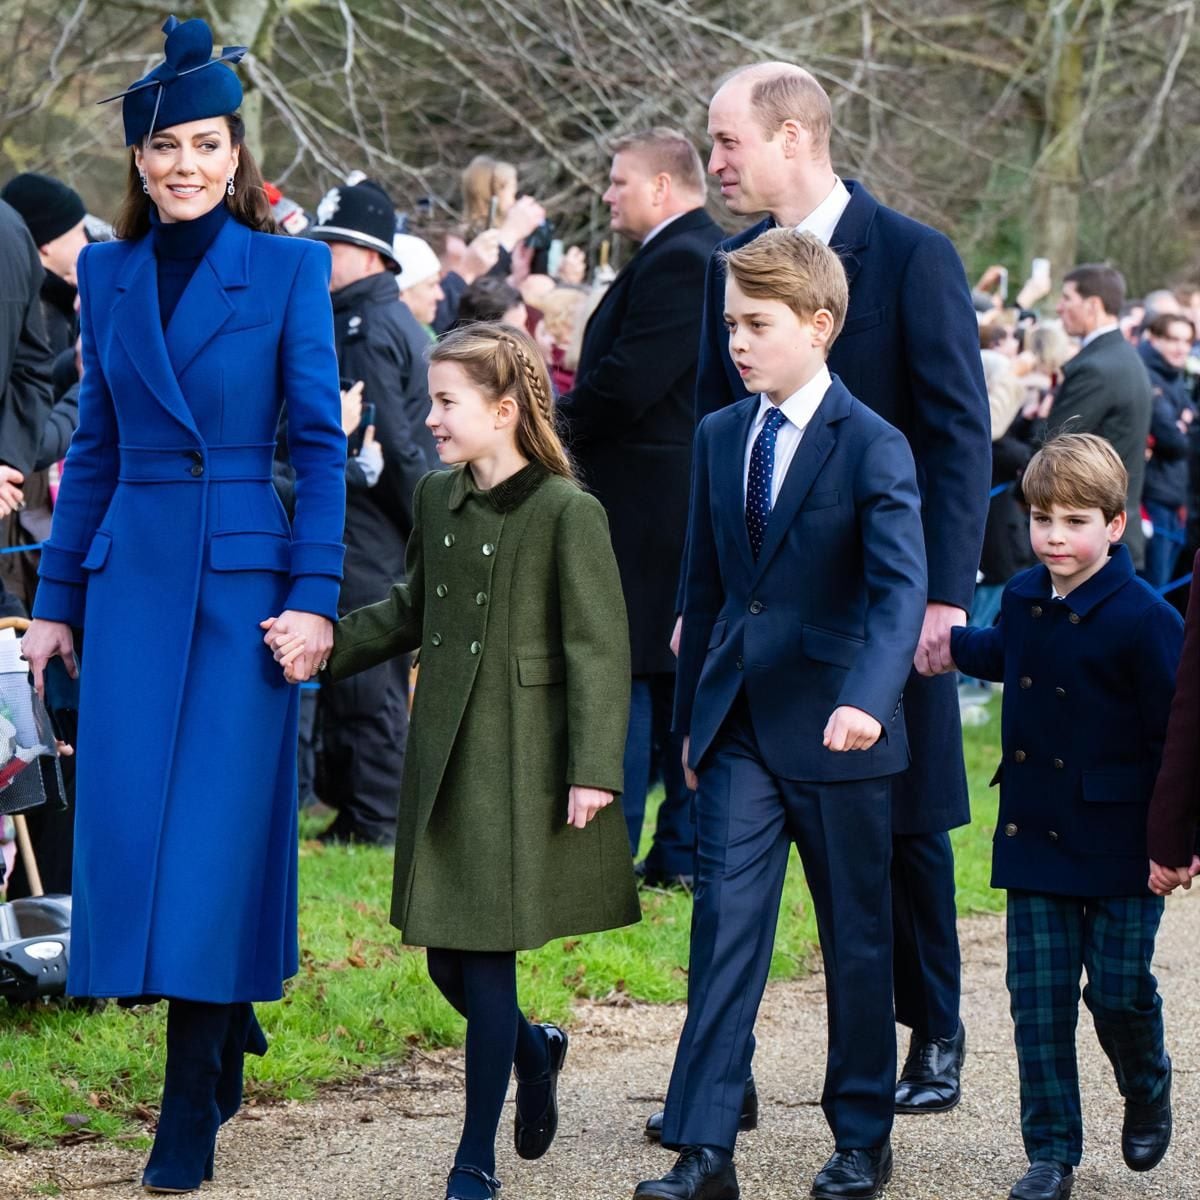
(169, 546)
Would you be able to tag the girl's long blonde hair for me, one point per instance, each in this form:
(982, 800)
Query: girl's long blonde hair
(483, 178)
(502, 360)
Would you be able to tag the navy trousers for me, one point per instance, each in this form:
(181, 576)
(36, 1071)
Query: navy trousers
(652, 749)
(746, 822)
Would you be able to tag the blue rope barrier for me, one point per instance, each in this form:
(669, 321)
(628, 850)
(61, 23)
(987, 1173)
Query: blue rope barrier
(22, 549)
(1000, 487)
(1174, 584)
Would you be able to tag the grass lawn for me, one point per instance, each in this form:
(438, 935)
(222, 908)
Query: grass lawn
(361, 998)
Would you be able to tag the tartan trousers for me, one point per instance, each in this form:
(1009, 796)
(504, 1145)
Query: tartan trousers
(1051, 940)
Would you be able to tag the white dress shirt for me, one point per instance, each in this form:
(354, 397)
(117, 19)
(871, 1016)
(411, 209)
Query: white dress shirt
(823, 219)
(1096, 333)
(798, 410)
(660, 227)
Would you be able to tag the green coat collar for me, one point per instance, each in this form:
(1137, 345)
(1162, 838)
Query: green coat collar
(505, 496)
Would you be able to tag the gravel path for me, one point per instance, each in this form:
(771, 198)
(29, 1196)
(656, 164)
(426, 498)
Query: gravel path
(392, 1134)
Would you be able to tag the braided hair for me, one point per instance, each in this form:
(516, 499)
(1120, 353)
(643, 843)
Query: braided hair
(502, 360)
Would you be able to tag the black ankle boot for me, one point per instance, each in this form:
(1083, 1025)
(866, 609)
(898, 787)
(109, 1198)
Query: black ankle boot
(188, 1122)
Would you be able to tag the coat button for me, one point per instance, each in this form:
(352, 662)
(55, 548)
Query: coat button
(198, 470)
(1019, 756)
(1060, 692)
(1074, 618)
(436, 639)
(1058, 764)
(1036, 610)
(442, 590)
(488, 549)
(1053, 836)
(475, 647)
(1026, 682)
(756, 606)
(481, 598)
(448, 540)
(739, 664)
(1010, 830)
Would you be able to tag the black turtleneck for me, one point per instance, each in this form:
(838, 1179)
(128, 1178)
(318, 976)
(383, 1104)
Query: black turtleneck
(178, 249)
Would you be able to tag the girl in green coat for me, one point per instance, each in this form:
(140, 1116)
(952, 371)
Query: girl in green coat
(508, 830)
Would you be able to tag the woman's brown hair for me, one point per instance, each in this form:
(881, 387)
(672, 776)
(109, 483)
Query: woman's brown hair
(502, 360)
(249, 203)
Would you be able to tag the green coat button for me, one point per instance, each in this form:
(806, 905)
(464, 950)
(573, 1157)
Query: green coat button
(481, 598)
(488, 549)
(475, 647)
(436, 639)
(448, 540)
(442, 589)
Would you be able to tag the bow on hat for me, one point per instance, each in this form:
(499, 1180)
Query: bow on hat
(188, 49)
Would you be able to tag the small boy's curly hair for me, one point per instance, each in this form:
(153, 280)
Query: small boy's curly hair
(1077, 470)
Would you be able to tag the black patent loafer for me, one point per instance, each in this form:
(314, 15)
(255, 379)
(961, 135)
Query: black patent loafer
(696, 1175)
(532, 1138)
(746, 1122)
(1146, 1132)
(854, 1174)
(930, 1080)
(489, 1181)
(1044, 1181)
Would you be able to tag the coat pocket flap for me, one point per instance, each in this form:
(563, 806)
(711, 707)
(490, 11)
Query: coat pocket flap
(97, 554)
(238, 551)
(819, 500)
(536, 672)
(862, 321)
(838, 649)
(718, 634)
(1114, 785)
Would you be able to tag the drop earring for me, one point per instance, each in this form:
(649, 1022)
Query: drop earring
(145, 186)
(229, 188)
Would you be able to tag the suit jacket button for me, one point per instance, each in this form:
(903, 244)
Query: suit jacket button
(739, 664)
(475, 647)
(1010, 830)
(1036, 610)
(1019, 756)
(1026, 682)
(1060, 692)
(1074, 618)
(442, 590)
(448, 540)
(436, 639)
(488, 549)
(1053, 836)
(481, 598)
(756, 607)
(1058, 764)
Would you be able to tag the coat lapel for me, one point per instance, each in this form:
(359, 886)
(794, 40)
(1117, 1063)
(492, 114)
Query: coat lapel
(815, 446)
(730, 475)
(854, 229)
(139, 327)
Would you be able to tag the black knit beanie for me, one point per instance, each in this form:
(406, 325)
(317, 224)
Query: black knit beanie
(49, 207)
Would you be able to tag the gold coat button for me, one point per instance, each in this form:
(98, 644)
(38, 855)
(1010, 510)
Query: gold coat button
(1026, 682)
(448, 540)
(1010, 830)
(1019, 756)
(488, 549)
(475, 647)
(1036, 610)
(442, 590)
(1058, 764)
(481, 598)
(1074, 618)
(436, 639)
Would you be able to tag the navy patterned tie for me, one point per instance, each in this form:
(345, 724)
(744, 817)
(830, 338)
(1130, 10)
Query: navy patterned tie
(758, 484)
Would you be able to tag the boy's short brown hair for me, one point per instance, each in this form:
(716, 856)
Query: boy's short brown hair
(797, 269)
(1077, 470)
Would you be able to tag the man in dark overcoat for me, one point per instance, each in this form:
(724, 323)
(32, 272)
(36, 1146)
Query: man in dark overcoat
(910, 351)
(364, 720)
(629, 421)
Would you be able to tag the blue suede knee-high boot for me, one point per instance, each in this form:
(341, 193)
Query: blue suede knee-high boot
(245, 1036)
(190, 1117)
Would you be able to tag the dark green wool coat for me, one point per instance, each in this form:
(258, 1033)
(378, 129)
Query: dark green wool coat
(514, 599)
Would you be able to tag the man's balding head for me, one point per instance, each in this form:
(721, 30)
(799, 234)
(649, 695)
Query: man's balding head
(779, 92)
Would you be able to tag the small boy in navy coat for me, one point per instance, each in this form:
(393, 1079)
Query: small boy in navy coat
(1087, 652)
(804, 593)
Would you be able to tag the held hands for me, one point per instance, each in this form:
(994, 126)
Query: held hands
(1164, 880)
(933, 650)
(42, 641)
(300, 643)
(583, 803)
(689, 776)
(851, 729)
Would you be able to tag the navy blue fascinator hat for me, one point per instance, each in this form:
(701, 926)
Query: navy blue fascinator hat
(187, 86)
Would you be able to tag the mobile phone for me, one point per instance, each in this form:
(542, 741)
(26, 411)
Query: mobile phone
(1002, 286)
(493, 211)
(554, 257)
(354, 445)
(1040, 270)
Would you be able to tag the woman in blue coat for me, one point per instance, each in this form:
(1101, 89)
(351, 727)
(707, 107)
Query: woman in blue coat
(169, 547)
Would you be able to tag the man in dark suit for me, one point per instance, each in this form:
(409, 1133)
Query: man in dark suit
(629, 421)
(910, 350)
(1105, 388)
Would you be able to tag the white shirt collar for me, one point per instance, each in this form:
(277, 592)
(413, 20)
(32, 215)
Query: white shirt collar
(823, 219)
(799, 407)
(1091, 337)
(661, 226)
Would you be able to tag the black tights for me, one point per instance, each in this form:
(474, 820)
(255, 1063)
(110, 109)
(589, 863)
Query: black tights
(482, 986)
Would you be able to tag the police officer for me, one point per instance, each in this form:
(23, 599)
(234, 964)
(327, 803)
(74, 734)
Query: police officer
(380, 344)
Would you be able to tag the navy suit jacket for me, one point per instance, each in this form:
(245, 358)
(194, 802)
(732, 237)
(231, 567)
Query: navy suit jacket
(830, 613)
(910, 351)
(1088, 682)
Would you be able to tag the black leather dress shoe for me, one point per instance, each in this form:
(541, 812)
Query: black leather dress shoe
(854, 1174)
(533, 1138)
(696, 1175)
(747, 1121)
(1044, 1181)
(929, 1082)
(1146, 1133)
(660, 879)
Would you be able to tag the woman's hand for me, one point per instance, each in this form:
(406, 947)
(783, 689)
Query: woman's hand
(352, 405)
(584, 803)
(42, 641)
(11, 497)
(300, 643)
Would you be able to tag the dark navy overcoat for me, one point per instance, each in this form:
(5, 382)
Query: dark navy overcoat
(169, 546)
(1088, 682)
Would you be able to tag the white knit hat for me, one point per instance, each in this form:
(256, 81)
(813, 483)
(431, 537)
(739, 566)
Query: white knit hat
(417, 260)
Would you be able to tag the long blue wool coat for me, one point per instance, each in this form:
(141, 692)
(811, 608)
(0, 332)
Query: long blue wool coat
(169, 546)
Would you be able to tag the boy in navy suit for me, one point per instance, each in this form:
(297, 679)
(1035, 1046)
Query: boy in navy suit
(803, 600)
(1087, 652)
